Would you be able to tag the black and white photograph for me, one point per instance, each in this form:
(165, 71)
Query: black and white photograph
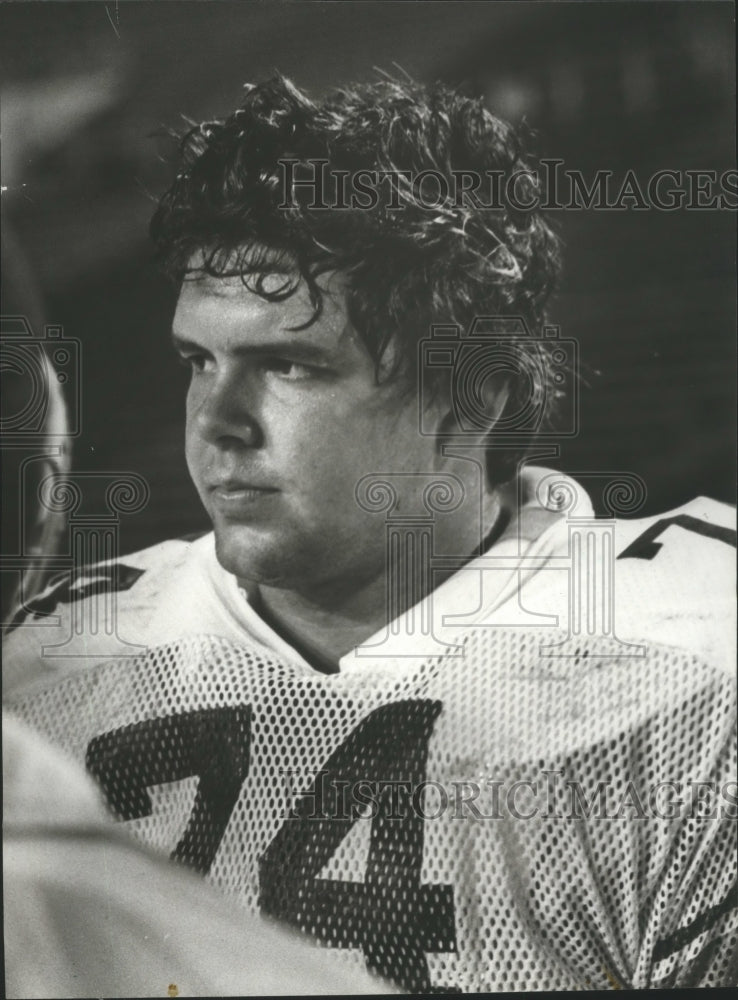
(368, 496)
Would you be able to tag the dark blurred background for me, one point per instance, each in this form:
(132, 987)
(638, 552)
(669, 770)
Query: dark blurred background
(649, 295)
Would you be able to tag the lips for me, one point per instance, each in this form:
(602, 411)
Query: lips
(236, 485)
(238, 495)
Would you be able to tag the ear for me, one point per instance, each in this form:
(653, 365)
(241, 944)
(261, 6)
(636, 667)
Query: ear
(472, 419)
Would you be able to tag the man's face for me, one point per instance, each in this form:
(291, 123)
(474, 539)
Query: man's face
(281, 425)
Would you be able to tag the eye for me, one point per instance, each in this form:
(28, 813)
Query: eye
(193, 362)
(290, 371)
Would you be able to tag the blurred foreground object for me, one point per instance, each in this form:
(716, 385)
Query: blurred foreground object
(40, 387)
(35, 433)
(90, 913)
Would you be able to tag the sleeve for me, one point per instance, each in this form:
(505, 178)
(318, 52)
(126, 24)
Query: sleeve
(691, 936)
(642, 861)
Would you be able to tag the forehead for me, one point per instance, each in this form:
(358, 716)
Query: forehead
(226, 307)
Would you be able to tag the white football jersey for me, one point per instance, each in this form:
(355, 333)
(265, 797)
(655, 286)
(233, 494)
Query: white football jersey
(525, 782)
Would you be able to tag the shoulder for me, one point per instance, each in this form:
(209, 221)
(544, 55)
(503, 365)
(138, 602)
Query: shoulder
(675, 578)
(95, 611)
(665, 580)
(704, 529)
(75, 584)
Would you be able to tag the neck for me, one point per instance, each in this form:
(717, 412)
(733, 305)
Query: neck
(323, 628)
(323, 624)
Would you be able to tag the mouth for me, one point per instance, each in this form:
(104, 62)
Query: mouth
(235, 496)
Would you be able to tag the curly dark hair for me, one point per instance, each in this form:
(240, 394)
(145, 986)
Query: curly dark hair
(409, 265)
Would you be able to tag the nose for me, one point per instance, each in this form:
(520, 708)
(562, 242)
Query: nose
(222, 413)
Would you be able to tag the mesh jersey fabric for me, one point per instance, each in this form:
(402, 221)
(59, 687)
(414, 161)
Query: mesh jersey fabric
(498, 802)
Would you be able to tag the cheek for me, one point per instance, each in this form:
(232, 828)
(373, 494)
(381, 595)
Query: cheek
(190, 438)
(194, 453)
(192, 403)
(337, 462)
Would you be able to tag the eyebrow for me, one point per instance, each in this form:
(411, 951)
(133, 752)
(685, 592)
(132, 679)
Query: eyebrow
(297, 348)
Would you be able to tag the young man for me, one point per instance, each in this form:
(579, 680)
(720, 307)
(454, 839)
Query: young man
(409, 695)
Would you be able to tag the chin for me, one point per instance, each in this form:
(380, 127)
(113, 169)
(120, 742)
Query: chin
(252, 558)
